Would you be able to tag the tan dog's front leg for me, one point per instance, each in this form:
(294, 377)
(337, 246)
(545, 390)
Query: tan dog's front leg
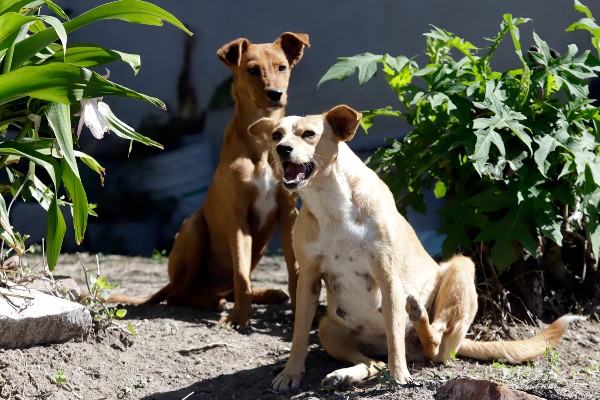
(393, 301)
(241, 256)
(309, 287)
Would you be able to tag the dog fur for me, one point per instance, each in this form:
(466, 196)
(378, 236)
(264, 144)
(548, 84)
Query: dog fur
(220, 244)
(380, 281)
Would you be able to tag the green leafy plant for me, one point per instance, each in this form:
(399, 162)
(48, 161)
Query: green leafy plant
(99, 289)
(386, 379)
(61, 378)
(45, 82)
(514, 154)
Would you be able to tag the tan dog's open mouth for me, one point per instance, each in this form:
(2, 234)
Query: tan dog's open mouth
(295, 174)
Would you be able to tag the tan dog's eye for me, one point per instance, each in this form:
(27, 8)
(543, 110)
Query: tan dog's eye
(307, 134)
(253, 70)
(282, 68)
(276, 135)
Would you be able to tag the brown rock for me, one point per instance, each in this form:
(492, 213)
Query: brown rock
(477, 389)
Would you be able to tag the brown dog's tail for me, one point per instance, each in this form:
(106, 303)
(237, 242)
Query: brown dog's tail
(516, 351)
(156, 298)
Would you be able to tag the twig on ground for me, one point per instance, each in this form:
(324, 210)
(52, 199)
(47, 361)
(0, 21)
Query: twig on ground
(208, 346)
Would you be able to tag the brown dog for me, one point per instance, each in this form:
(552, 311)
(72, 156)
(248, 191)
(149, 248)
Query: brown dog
(221, 243)
(379, 278)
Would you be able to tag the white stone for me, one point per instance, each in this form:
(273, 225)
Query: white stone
(37, 318)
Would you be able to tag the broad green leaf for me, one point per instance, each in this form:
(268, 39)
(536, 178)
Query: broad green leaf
(90, 55)
(59, 119)
(123, 130)
(120, 313)
(492, 199)
(547, 144)
(11, 31)
(577, 6)
(78, 198)
(439, 190)
(62, 83)
(135, 11)
(367, 116)
(56, 229)
(366, 64)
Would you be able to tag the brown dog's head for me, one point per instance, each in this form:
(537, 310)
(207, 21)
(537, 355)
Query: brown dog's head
(261, 72)
(303, 146)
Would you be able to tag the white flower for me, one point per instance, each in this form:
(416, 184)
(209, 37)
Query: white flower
(92, 118)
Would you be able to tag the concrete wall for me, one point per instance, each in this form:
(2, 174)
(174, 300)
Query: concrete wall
(336, 28)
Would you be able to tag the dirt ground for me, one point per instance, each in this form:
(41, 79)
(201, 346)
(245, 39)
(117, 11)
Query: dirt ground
(180, 353)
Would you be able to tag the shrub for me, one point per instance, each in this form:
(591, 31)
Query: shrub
(515, 154)
(45, 82)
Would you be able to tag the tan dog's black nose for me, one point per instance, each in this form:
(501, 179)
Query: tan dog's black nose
(284, 151)
(274, 94)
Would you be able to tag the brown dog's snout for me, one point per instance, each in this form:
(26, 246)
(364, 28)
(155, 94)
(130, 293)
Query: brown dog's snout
(275, 94)
(284, 150)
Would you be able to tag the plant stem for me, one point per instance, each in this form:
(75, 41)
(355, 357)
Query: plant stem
(19, 136)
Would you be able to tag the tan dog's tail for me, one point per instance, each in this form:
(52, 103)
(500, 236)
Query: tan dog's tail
(517, 351)
(156, 298)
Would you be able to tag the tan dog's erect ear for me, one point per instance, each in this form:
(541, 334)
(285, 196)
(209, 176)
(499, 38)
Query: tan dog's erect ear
(231, 53)
(293, 46)
(344, 121)
(262, 126)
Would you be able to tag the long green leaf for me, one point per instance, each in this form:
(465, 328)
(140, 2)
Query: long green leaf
(11, 24)
(59, 118)
(78, 198)
(135, 11)
(15, 6)
(48, 163)
(123, 130)
(55, 233)
(91, 55)
(62, 83)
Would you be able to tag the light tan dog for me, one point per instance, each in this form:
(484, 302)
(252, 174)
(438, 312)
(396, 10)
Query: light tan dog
(350, 235)
(221, 243)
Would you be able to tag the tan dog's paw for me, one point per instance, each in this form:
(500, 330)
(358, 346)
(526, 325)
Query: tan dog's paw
(239, 317)
(338, 379)
(401, 375)
(414, 309)
(287, 379)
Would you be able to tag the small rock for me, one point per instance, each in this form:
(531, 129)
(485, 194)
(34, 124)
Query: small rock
(29, 317)
(477, 389)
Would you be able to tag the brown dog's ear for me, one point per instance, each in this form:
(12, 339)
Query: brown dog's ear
(262, 126)
(231, 53)
(344, 121)
(293, 46)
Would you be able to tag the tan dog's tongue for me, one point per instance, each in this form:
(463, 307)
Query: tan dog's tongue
(295, 172)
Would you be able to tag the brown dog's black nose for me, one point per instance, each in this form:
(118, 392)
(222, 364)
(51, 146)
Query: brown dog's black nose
(284, 150)
(274, 94)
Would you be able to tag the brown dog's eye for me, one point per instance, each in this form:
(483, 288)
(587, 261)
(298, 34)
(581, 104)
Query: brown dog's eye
(307, 134)
(253, 70)
(282, 68)
(276, 135)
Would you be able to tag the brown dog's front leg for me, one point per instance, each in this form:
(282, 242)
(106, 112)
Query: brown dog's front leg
(241, 258)
(309, 287)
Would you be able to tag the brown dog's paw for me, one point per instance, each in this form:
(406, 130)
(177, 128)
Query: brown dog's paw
(413, 308)
(269, 296)
(238, 318)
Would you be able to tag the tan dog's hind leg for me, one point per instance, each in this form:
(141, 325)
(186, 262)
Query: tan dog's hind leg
(454, 310)
(338, 342)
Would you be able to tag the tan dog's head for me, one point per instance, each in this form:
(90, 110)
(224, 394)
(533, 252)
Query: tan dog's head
(261, 72)
(304, 146)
